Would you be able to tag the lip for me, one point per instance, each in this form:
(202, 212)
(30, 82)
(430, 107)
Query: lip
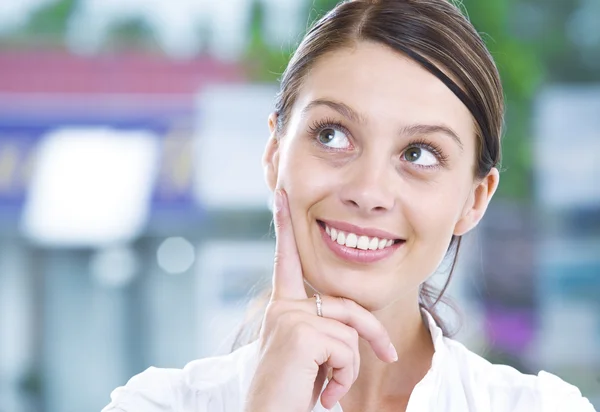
(360, 231)
(357, 255)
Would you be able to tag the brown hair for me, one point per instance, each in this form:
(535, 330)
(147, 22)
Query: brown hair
(435, 34)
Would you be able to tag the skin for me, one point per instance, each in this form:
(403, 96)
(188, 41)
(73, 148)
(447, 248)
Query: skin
(358, 169)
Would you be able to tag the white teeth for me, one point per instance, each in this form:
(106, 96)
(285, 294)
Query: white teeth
(351, 240)
(363, 243)
(354, 241)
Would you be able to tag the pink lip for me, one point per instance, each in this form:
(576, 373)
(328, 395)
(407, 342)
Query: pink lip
(357, 255)
(360, 231)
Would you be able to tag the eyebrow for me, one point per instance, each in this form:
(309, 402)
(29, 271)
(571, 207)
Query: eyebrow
(424, 129)
(339, 107)
(409, 130)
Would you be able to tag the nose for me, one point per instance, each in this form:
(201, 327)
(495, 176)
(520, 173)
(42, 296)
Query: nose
(368, 187)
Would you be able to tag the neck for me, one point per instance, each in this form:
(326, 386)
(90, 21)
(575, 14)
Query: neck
(382, 385)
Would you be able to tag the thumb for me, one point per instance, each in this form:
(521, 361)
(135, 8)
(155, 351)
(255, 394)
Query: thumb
(288, 282)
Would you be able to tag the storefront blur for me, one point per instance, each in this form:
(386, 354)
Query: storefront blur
(135, 224)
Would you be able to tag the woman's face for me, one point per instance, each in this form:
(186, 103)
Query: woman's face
(381, 151)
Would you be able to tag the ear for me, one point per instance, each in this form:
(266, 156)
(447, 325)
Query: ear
(478, 202)
(270, 158)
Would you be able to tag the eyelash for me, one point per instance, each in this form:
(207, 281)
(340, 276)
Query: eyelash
(328, 123)
(433, 148)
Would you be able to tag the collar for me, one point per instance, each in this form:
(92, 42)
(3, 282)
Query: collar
(437, 337)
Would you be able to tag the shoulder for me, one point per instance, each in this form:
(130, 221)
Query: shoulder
(502, 388)
(216, 384)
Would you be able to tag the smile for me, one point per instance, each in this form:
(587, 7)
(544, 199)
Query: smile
(358, 245)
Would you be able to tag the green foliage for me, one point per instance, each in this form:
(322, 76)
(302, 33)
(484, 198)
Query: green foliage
(131, 34)
(263, 62)
(318, 8)
(521, 71)
(266, 63)
(51, 20)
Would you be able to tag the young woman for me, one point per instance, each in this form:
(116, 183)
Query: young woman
(385, 141)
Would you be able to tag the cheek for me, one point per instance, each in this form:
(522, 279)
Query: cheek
(307, 183)
(304, 177)
(432, 214)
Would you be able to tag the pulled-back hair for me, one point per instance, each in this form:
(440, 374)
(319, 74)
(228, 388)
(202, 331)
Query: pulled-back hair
(435, 34)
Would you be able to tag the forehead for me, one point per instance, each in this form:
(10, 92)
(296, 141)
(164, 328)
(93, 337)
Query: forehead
(384, 85)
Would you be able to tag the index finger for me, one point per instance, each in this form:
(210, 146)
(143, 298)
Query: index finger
(288, 281)
(355, 316)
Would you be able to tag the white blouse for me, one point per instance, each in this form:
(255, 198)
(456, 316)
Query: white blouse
(458, 381)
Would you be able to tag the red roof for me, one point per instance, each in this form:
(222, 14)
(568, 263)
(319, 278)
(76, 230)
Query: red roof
(126, 73)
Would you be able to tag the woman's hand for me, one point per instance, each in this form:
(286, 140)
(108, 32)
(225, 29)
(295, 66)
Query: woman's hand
(298, 349)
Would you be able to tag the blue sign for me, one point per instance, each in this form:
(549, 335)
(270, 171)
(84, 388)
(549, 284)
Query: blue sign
(20, 135)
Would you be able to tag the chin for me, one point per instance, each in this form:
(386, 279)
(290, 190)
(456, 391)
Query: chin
(370, 295)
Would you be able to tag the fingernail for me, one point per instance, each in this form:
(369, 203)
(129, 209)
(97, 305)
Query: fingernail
(393, 353)
(278, 200)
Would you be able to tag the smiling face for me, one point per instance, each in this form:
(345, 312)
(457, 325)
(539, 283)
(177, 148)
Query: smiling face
(380, 152)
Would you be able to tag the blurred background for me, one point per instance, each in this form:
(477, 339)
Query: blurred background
(134, 221)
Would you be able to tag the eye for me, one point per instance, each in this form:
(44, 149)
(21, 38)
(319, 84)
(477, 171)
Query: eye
(333, 138)
(420, 156)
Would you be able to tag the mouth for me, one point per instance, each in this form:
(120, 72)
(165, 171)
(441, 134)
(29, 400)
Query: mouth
(358, 245)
